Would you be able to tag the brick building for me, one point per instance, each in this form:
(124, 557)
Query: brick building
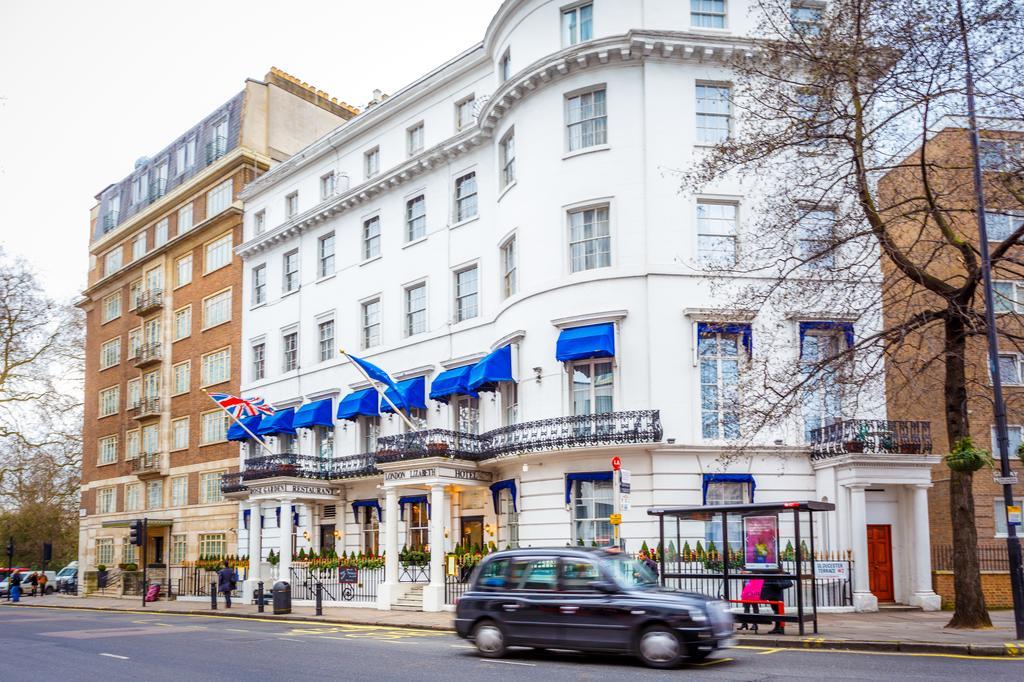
(163, 312)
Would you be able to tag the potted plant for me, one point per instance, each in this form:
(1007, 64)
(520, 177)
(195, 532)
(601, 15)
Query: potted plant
(101, 576)
(966, 457)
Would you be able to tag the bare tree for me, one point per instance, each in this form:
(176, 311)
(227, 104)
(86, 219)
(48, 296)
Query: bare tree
(863, 213)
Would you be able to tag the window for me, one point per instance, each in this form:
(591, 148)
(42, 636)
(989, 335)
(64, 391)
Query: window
(1009, 369)
(371, 162)
(217, 309)
(183, 270)
(587, 120)
(326, 333)
(134, 342)
(714, 121)
(1008, 296)
(415, 218)
(151, 334)
(509, 268)
(726, 492)
(259, 361)
(140, 189)
(179, 545)
(418, 532)
(707, 13)
(371, 324)
(577, 24)
(806, 18)
(259, 284)
(371, 238)
(325, 253)
(160, 233)
(1002, 225)
(1000, 155)
(716, 233)
(133, 497)
(822, 400)
(592, 504)
(590, 242)
(465, 197)
(467, 414)
(218, 253)
(185, 155)
(104, 546)
(508, 520)
(154, 494)
(184, 219)
(466, 294)
(290, 352)
(139, 246)
(719, 384)
(179, 434)
(464, 112)
(593, 386)
(134, 392)
(213, 544)
(109, 399)
(815, 232)
(214, 428)
(108, 450)
(416, 309)
(291, 271)
(415, 139)
(155, 280)
(112, 307)
(218, 198)
(1000, 515)
(182, 377)
(151, 439)
(578, 574)
(110, 353)
(507, 153)
(1014, 434)
(209, 488)
(134, 291)
(369, 528)
(131, 445)
(324, 443)
(182, 322)
(112, 261)
(505, 66)
(106, 503)
(533, 575)
(216, 367)
(328, 182)
(260, 222)
(179, 493)
(291, 205)
(509, 391)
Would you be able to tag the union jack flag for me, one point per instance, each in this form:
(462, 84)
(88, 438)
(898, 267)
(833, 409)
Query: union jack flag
(242, 407)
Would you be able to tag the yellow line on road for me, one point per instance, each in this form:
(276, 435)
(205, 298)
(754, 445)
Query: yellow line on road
(769, 651)
(713, 661)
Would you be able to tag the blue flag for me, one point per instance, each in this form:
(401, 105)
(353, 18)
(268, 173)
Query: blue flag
(377, 374)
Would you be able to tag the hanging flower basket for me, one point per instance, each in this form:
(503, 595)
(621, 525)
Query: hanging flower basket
(966, 457)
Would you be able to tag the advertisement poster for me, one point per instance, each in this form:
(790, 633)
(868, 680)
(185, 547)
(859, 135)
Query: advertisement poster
(760, 542)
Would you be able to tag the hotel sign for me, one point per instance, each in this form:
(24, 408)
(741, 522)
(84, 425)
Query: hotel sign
(409, 475)
(291, 489)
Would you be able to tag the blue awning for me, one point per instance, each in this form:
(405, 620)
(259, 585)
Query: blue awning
(495, 368)
(727, 478)
(411, 394)
(583, 476)
(279, 422)
(236, 432)
(412, 499)
(510, 486)
(373, 504)
(453, 382)
(829, 326)
(729, 328)
(314, 414)
(591, 341)
(365, 403)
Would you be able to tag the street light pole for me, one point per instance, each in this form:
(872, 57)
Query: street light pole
(1002, 436)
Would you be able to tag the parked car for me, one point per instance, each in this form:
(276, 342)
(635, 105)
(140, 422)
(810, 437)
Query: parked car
(26, 588)
(587, 600)
(4, 578)
(66, 576)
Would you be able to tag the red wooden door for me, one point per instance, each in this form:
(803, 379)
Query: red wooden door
(880, 562)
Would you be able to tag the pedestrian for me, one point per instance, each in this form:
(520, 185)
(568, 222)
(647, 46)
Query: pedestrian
(33, 580)
(226, 579)
(750, 596)
(14, 586)
(649, 562)
(773, 591)
(42, 580)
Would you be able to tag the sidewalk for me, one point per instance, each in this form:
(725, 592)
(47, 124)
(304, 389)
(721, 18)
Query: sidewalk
(902, 631)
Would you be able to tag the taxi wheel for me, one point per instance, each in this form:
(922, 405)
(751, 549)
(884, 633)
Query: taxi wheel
(489, 639)
(659, 647)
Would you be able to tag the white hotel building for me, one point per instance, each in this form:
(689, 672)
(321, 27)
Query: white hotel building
(501, 236)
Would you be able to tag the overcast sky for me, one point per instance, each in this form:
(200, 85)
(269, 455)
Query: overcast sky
(88, 87)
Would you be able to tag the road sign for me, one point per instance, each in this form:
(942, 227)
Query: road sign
(616, 463)
(615, 519)
(625, 476)
(1013, 514)
(1006, 480)
(624, 502)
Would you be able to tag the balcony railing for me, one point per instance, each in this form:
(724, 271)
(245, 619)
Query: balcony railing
(216, 148)
(231, 483)
(147, 407)
(286, 464)
(148, 465)
(430, 443)
(871, 436)
(110, 221)
(148, 301)
(149, 354)
(157, 188)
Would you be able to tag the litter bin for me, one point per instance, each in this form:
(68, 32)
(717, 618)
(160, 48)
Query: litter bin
(282, 592)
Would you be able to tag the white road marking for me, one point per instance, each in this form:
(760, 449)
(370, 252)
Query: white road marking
(288, 639)
(235, 630)
(462, 646)
(493, 660)
(120, 658)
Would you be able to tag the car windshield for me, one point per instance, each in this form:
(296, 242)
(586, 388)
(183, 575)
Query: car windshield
(631, 572)
(65, 572)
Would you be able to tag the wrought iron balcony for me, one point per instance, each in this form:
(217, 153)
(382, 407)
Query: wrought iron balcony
(871, 436)
(110, 221)
(149, 354)
(148, 407)
(430, 443)
(157, 188)
(149, 465)
(216, 148)
(149, 300)
(231, 483)
(286, 464)
(354, 466)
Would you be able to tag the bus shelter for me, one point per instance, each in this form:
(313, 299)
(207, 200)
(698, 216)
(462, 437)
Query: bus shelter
(717, 550)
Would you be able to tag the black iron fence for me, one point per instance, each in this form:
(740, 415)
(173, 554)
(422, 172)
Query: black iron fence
(990, 558)
(192, 581)
(454, 587)
(871, 436)
(413, 573)
(336, 584)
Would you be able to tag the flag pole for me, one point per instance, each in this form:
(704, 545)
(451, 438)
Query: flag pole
(244, 427)
(376, 387)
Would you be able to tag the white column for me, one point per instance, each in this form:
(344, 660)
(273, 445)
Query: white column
(923, 595)
(863, 600)
(433, 594)
(386, 590)
(285, 531)
(255, 551)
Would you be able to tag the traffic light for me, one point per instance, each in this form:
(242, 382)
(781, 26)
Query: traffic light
(135, 533)
(47, 552)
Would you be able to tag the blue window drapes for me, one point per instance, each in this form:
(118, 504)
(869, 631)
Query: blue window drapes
(317, 413)
(825, 325)
(279, 422)
(411, 394)
(365, 403)
(746, 338)
(590, 341)
(583, 476)
(295, 516)
(493, 369)
(411, 499)
(236, 432)
(246, 513)
(510, 486)
(373, 504)
(453, 382)
(727, 478)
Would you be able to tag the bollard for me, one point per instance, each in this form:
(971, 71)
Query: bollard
(319, 599)
(259, 596)
(213, 596)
